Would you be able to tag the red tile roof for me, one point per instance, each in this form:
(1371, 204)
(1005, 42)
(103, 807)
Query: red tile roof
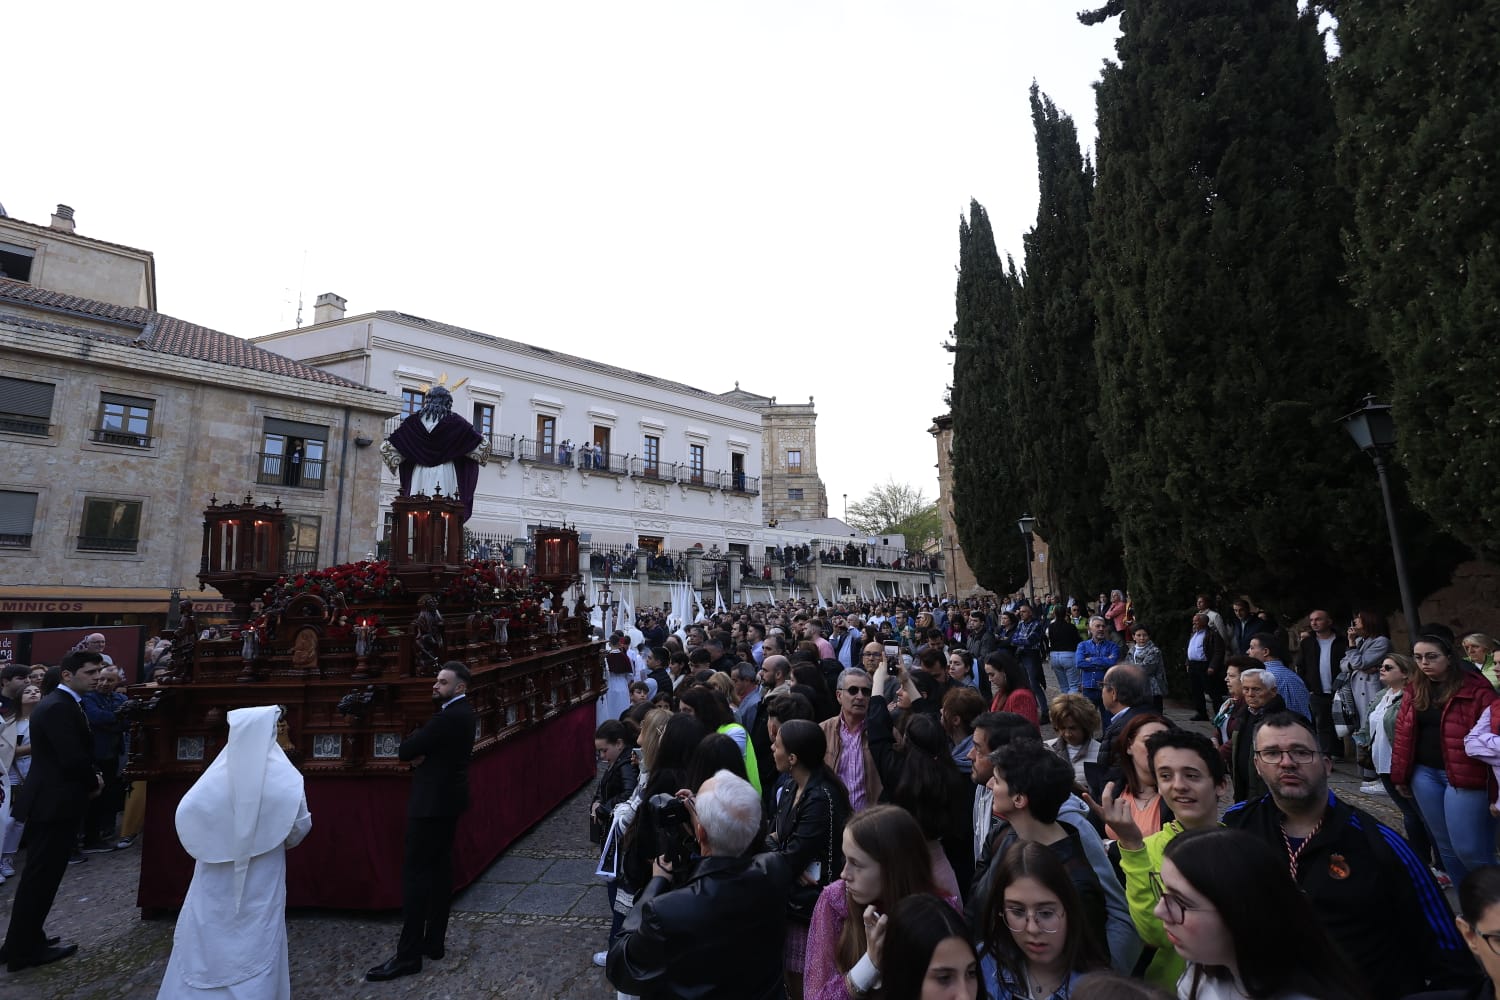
(154, 331)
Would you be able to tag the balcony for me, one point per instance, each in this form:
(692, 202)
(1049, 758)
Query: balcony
(615, 465)
(11, 423)
(15, 541)
(276, 471)
(738, 482)
(502, 446)
(98, 543)
(123, 438)
(532, 450)
(647, 469)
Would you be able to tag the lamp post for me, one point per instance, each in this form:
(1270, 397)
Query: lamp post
(1374, 432)
(1027, 524)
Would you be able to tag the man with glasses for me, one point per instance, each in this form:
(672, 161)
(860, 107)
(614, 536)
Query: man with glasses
(848, 743)
(1376, 898)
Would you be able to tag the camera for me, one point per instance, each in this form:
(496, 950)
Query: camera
(674, 829)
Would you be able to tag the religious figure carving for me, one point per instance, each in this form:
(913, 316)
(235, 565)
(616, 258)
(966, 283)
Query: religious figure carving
(429, 632)
(305, 650)
(437, 451)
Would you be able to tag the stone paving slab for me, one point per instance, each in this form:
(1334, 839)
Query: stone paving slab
(545, 900)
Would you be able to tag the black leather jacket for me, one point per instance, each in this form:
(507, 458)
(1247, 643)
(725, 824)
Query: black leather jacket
(720, 935)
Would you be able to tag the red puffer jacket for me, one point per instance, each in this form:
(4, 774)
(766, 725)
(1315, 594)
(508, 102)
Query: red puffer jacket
(1463, 710)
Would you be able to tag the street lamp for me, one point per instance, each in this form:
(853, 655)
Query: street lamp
(1027, 524)
(1374, 432)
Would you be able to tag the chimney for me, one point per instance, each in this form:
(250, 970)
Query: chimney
(62, 219)
(329, 307)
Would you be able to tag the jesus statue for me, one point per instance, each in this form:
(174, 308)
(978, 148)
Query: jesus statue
(436, 450)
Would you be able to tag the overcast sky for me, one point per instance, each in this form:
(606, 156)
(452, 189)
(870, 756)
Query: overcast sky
(711, 192)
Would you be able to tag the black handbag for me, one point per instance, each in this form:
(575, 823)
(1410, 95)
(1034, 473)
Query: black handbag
(804, 897)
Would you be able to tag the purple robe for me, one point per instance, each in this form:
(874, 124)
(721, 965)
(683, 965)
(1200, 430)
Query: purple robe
(450, 440)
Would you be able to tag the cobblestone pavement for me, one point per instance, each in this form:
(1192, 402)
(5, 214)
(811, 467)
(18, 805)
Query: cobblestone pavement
(526, 929)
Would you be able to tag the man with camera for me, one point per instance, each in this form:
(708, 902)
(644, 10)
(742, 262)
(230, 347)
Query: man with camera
(721, 933)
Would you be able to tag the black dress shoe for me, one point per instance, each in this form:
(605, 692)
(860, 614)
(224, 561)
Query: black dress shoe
(436, 954)
(394, 969)
(5, 952)
(52, 953)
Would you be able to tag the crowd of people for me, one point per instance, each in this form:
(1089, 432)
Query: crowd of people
(855, 801)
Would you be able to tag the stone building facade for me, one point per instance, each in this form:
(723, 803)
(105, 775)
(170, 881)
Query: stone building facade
(793, 490)
(672, 467)
(118, 423)
(959, 579)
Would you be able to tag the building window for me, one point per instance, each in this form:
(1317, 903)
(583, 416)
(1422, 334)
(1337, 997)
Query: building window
(695, 462)
(651, 456)
(411, 402)
(25, 406)
(484, 418)
(15, 262)
(17, 516)
(293, 454)
(794, 493)
(302, 531)
(794, 460)
(124, 420)
(546, 438)
(110, 525)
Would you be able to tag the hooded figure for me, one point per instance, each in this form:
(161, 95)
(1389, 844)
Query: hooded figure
(435, 450)
(237, 821)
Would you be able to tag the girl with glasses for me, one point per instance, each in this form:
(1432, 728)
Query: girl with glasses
(1479, 904)
(1446, 699)
(1231, 909)
(1037, 940)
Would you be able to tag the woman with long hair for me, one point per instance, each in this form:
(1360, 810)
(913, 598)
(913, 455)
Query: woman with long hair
(1369, 642)
(1036, 938)
(1146, 805)
(808, 828)
(885, 861)
(1231, 909)
(19, 735)
(666, 766)
(961, 668)
(1378, 738)
(940, 799)
(712, 709)
(1011, 687)
(1445, 700)
(928, 953)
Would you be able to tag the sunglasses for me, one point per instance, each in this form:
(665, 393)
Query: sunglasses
(857, 691)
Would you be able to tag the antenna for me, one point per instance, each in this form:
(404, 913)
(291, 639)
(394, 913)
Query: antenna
(301, 283)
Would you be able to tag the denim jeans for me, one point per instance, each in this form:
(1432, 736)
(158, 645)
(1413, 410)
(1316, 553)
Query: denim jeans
(1415, 830)
(1065, 669)
(1458, 819)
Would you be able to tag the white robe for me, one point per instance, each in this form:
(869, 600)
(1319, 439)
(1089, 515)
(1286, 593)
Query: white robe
(217, 952)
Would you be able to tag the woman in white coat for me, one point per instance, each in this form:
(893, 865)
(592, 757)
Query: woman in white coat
(237, 821)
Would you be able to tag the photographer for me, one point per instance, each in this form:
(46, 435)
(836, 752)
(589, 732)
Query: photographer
(720, 934)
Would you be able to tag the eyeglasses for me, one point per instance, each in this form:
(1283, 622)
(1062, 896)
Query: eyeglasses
(1388, 666)
(857, 691)
(872, 656)
(1176, 908)
(1299, 755)
(1491, 938)
(1048, 918)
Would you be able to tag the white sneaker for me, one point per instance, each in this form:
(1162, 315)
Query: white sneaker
(599, 958)
(1372, 788)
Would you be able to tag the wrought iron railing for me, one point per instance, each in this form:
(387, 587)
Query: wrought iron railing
(102, 436)
(274, 471)
(11, 423)
(15, 541)
(100, 543)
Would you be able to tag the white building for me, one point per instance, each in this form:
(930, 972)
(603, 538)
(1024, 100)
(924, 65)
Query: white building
(675, 466)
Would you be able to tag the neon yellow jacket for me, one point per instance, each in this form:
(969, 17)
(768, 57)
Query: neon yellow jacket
(1166, 965)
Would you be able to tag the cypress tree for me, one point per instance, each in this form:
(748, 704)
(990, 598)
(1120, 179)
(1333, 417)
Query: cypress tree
(1054, 386)
(988, 497)
(1415, 85)
(1227, 347)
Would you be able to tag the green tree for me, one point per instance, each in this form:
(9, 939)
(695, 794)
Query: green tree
(1052, 384)
(988, 495)
(1414, 86)
(1227, 347)
(894, 508)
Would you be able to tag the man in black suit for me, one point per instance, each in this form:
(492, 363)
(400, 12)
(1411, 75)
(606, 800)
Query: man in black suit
(1126, 693)
(439, 753)
(51, 803)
